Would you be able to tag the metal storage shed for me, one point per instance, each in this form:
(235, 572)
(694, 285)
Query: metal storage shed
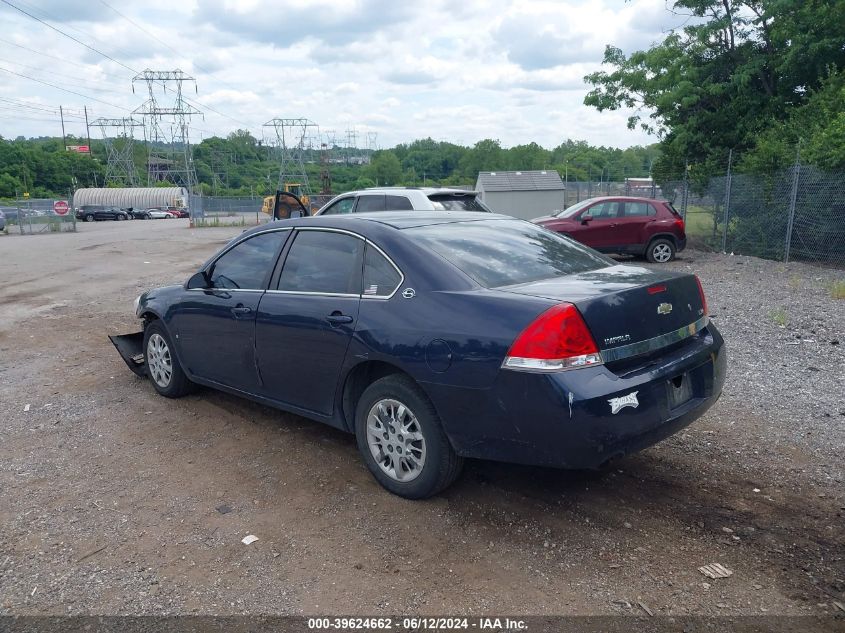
(134, 197)
(522, 194)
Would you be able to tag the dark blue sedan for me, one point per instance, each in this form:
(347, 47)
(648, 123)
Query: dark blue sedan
(437, 336)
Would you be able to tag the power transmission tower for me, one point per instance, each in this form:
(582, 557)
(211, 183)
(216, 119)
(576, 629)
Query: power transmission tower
(351, 144)
(290, 144)
(167, 121)
(118, 139)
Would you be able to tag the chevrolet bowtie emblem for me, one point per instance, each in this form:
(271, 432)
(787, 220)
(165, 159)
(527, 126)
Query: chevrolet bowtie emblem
(664, 308)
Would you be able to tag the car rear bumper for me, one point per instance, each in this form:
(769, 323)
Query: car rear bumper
(583, 418)
(681, 244)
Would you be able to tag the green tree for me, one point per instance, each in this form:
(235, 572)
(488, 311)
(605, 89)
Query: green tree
(385, 168)
(738, 69)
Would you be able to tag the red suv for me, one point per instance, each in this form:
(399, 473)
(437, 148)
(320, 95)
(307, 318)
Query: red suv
(639, 226)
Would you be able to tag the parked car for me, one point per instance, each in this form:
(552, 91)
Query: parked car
(159, 214)
(437, 336)
(178, 213)
(10, 213)
(2, 221)
(90, 213)
(404, 199)
(139, 214)
(638, 226)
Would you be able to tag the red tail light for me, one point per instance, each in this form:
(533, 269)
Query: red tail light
(557, 339)
(680, 224)
(703, 298)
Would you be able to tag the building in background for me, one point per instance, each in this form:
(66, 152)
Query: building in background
(522, 194)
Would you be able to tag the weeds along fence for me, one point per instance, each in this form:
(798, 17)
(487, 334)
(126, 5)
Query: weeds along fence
(791, 214)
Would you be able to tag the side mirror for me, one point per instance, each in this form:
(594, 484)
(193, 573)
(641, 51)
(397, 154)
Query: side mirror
(199, 280)
(586, 218)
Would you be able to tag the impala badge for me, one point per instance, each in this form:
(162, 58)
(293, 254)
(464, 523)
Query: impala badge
(617, 404)
(664, 308)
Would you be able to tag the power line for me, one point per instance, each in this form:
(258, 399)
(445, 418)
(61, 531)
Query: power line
(50, 72)
(193, 63)
(109, 57)
(67, 35)
(47, 83)
(64, 61)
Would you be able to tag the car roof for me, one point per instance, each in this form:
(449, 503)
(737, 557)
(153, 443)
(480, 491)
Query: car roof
(427, 191)
(393, 219)
(617, 198)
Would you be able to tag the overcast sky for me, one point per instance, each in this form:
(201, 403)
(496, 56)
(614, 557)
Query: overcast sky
(458, 71)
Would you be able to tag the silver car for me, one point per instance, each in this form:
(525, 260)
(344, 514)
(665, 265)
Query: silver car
(404, 199)
(2, 221)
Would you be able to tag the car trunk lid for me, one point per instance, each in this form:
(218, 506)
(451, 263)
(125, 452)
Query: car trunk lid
(628, 309)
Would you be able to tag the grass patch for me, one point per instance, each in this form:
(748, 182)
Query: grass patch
(779, 317)
(699, 222)
(837, 290)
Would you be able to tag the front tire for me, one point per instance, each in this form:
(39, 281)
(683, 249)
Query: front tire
(401, 440)
(89, 218)
(660, 251)
(163, 367)
(121, 217)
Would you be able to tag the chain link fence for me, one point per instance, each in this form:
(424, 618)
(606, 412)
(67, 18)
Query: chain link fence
(797, 213)
(225, 211)
(36, 215)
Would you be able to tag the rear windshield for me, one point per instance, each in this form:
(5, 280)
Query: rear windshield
(457, 202)
(506, 252)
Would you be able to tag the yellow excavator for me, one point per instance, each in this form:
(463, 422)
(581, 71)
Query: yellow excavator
(294, 188)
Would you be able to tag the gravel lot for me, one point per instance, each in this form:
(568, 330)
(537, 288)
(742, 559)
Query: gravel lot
(116, 501)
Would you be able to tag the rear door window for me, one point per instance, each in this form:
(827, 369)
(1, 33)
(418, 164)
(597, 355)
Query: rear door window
(370, 202)
(324, 262)
(398, 203)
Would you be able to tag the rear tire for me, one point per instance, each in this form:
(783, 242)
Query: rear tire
(402, 441)
(121, 217)
(162, 365)
(89, 218)
(660, 251)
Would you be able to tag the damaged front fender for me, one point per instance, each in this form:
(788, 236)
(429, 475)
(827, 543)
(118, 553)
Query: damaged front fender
(131, 350)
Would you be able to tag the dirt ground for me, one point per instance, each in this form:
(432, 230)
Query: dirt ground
(114, 500)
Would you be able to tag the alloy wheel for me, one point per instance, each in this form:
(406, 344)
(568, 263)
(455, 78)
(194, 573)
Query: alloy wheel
(159, 363)
(395, 439)
(662, 253)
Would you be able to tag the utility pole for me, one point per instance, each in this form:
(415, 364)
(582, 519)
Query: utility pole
(64, 138)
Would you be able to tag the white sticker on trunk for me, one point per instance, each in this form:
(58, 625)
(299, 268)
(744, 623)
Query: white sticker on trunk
(617, 404)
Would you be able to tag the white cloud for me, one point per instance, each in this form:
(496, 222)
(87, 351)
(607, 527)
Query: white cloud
(505, 69)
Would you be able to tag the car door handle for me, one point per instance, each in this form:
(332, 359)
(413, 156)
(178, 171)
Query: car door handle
(239, 311)
(336, 318)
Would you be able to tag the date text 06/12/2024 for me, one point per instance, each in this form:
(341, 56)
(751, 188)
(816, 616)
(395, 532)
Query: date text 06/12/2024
(418, 623)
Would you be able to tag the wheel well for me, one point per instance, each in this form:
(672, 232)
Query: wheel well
(662, 236)
(148, 318)
(361, 377)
